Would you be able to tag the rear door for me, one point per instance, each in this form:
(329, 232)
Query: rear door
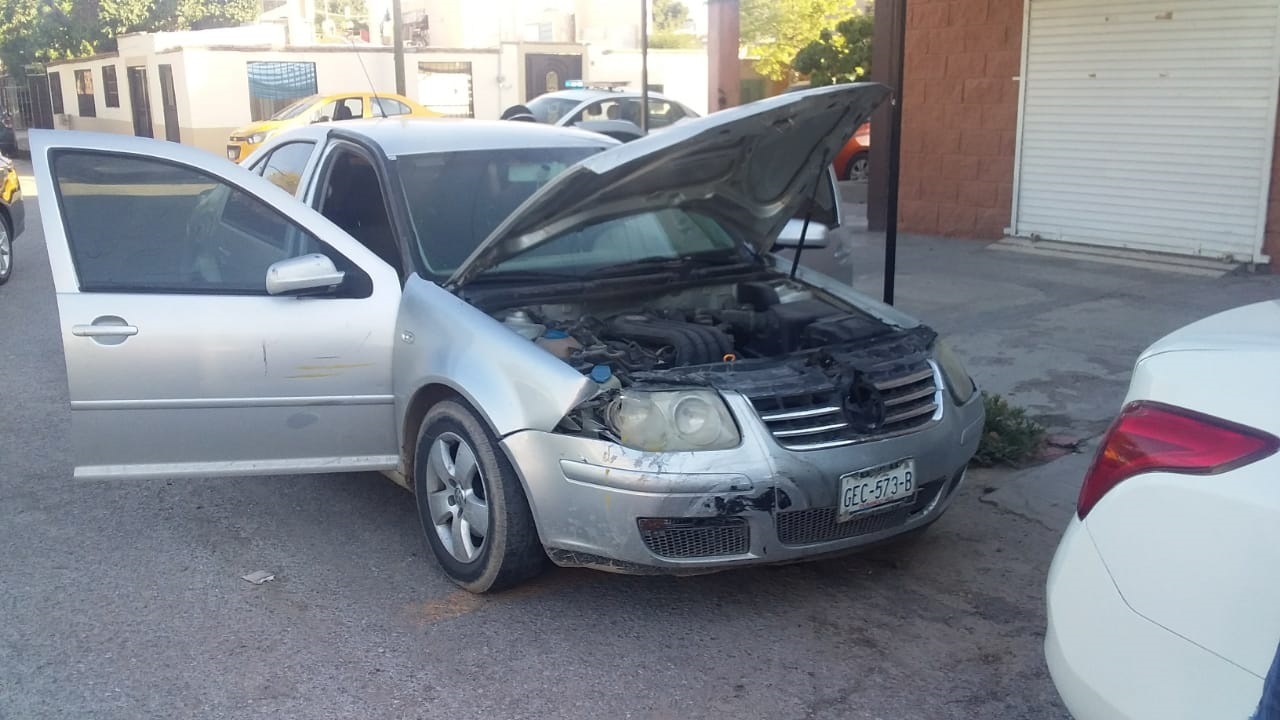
(178, 360)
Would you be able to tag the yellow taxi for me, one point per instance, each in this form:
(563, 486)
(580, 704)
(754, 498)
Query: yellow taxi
(322, 108)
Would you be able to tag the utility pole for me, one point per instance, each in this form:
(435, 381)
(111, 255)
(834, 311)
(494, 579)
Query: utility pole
(397, 42)
(644, 66)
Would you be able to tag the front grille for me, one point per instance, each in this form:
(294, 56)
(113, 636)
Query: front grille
(806, 527)
(681, 538)
(818, 419)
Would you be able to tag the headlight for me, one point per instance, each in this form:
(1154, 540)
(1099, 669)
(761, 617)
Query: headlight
(672, 421)
(953, 373)
(258, 137)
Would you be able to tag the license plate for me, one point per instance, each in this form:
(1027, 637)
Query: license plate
(876, 486)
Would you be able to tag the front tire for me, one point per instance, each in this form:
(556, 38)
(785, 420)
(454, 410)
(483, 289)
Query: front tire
(474, 514)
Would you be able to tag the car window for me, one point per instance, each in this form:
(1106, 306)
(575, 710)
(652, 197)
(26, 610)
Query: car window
(388, 107)
(662, 234)
(285, 165)
(352, 196)
(611, 109)
(325, 112)
(663, 113)
(142, 225)
(457, 199)
(348, 109)
(550, 109)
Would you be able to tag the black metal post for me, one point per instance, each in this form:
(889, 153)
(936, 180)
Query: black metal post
(895, 153)
(644, 66)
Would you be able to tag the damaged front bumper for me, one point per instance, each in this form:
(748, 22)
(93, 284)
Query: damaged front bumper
(603, 506)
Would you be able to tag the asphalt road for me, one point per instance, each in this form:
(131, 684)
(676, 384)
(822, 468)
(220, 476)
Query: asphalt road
(124, 600)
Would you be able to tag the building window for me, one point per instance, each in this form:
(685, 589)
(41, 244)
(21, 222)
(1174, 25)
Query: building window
(110, 88)
(84, 93)
(445, 87)
(55, 93)
(273, 86)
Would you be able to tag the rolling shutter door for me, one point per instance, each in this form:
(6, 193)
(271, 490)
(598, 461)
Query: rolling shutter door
(1149, 125)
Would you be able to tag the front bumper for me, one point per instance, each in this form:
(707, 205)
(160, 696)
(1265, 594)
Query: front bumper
(239, 150)
(1110, 663)
(600, 505)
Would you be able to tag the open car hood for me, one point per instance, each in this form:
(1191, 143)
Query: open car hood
(751, 168)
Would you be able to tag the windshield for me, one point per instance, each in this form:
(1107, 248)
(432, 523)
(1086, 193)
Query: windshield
(457, 199)
(296, 109)
(550, 109)
(652, 237)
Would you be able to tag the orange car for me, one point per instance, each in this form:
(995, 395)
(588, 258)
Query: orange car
(851, 162)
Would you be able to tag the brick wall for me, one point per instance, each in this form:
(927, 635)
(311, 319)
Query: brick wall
(959, 116)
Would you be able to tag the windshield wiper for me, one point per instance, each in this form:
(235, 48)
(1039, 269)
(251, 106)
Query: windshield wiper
(666, 263)
(525, 276)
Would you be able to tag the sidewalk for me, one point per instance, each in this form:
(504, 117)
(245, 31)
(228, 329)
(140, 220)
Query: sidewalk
(1057, 336)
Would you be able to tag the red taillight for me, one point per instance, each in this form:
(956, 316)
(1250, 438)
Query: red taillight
(1151, 436)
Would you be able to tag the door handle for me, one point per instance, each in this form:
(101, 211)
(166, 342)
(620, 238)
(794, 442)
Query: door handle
(106, 330)
(94, 331)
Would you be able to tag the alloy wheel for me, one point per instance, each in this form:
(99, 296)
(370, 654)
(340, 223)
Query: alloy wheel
(456, 497)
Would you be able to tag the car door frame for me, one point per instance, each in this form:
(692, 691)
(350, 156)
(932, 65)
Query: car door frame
(393, 193)
(383, 298)
(260, 160)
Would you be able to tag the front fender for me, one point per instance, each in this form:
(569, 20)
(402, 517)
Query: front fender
(514, 384)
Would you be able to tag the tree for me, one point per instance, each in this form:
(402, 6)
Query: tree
(842, 55)
(346, 15)
(670, 18)
(773, 31)
(43, 30)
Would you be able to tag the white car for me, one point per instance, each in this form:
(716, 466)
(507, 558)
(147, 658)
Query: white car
(1164, 595)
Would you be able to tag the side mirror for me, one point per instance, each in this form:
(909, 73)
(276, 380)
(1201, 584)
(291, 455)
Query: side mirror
(302, 274)
(815, 237)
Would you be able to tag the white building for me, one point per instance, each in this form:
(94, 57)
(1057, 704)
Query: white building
(197, 87)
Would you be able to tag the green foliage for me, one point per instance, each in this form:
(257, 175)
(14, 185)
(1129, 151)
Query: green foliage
(839, 56)
(346, 15)
(773, 31)
(670, 18)
(44, 30)
(1010, 437)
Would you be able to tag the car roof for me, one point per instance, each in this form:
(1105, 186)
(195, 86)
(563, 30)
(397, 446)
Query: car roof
(408, 136)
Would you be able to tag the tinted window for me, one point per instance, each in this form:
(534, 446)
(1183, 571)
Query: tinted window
(457, 199)
(284, 167)
(143, 225)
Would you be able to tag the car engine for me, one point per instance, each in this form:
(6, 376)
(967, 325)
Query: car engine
(744, 321)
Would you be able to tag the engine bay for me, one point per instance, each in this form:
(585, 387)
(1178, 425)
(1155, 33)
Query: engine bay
(704, 326)
(818, 372)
